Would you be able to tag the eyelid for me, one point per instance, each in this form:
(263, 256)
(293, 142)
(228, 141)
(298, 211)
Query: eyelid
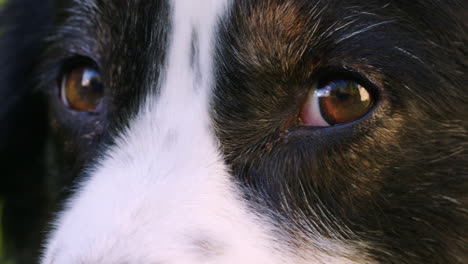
(64, 65)
(327, 74)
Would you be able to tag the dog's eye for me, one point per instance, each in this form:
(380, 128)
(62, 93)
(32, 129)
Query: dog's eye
(81, 88)
(336, 102)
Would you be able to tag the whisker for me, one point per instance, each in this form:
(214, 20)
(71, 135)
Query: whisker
(364, 30)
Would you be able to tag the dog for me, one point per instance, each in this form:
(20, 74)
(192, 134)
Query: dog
(234, 131)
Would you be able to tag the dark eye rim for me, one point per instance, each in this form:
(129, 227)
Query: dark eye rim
(68, 65)
(326, 75)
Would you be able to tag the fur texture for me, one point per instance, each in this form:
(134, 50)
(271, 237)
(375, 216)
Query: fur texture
(197, 154)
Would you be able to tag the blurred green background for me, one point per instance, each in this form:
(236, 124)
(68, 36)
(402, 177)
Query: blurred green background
(2, 257)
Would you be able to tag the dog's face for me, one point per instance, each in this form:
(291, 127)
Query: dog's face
(266, 131)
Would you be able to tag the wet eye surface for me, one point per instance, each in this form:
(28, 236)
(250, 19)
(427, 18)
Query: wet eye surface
(81, 88)
(336, 102)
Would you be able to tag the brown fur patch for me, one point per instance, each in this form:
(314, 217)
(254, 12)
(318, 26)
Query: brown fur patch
(273, 36)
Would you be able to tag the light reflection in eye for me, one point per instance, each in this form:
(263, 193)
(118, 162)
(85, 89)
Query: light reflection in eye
(337, 102)
(81, 89)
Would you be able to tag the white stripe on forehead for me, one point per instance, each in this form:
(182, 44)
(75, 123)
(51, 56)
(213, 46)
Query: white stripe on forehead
(187, 82)
(193, 23)
(162, 194)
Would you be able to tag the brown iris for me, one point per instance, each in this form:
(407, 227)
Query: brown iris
(344, 102)
(337, 102)
(82, 89)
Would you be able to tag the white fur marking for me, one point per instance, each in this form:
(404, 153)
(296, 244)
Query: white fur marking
(150, 201)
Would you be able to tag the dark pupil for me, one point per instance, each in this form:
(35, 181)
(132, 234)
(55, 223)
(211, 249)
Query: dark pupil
(344, 102)
(91, 87)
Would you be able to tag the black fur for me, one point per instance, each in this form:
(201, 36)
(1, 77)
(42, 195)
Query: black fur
(44, 145)
(393, 184)
(23, 125)
(397, 179)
